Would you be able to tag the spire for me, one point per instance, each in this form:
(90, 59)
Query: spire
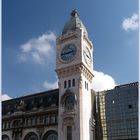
(74, 23)
(74, 13)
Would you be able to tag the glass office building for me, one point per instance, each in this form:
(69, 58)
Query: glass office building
(117, 111)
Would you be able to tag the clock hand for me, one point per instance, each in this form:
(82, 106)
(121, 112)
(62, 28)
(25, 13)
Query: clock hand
(67, 52)
(87, 56)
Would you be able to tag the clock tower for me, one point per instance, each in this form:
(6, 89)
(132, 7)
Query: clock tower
(74, 67)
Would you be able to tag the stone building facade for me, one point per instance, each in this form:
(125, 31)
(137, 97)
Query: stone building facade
(72, 111)
(31, 117)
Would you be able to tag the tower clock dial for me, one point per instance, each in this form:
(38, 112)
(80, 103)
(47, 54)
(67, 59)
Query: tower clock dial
(68, 52)
(87, 56)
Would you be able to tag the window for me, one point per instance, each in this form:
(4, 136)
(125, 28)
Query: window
(69, 103)
(5, 137)
(52, 119)
(85, 85)
(8, 124)
(31, 136)
(3, 125)
(16, 123)
(41, 119)
(50, 135)
(69, 83)
(69, 133)
(73, 82)
(129, 106)
(26, 122)
(113, 102)
(47, 119)
(33, 121)
(56, 119)
(65, 84)
(29, 122)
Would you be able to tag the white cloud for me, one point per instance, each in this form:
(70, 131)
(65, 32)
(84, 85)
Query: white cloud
(39, 50)
(102, 81)
(49, 86)
(5, 97)
(130, 23)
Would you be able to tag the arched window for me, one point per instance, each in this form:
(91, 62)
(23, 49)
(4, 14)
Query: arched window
(68, 100)
(69, 103)
(5, 137)
(50, 135)
(31, 136)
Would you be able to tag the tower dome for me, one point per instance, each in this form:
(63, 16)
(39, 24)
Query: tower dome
(74, 23)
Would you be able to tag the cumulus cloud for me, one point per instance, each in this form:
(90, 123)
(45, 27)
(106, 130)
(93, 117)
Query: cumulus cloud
(49, 85)
(130, 23)
(102, 81)
(39, 50)
(5, 97)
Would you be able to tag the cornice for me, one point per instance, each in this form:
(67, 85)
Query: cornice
(73, 70)
(88, 41)
(51, 110)
(66, 37)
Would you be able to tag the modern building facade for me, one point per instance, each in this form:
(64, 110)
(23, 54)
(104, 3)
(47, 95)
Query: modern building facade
(74, 111)
(117, 111)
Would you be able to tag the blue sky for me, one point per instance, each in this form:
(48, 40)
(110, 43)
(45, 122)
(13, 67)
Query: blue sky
(112, 27)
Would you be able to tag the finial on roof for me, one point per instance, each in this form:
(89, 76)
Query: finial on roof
(74, 13)
(74, 23)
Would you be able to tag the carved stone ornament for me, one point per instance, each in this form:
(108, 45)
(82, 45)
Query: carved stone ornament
(17, 133)
(67, 37)
(22, 106)
(68, 121)
(40, 131)
(68, 71)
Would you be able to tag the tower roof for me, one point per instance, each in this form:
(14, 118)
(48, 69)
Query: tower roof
(74, 23)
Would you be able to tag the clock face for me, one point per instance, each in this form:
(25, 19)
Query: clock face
(87, 56)
(68, 52)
